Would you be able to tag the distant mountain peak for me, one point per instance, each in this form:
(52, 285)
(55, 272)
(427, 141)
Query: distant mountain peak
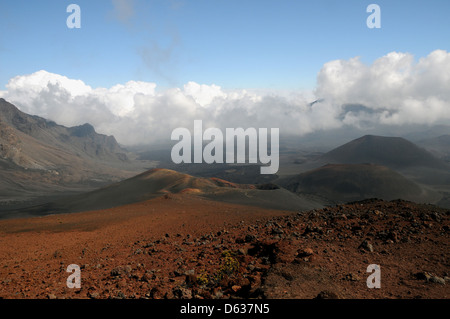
(389, 151)
(347, 182)
(81, 141)
(5, 106)
(82, 130)
(371, 137)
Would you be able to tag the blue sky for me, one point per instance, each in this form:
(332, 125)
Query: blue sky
(231, 43)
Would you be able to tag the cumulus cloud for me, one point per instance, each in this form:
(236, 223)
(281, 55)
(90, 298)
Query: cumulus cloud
(203, 94)
(394, 90)
(135, 112)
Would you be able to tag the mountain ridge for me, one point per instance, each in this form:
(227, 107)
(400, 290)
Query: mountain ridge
(393, 152)
(168, 184)
(82, 140)
(39, 157)
(342, 183)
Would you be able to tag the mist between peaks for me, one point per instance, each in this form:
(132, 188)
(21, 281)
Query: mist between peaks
(236, 142)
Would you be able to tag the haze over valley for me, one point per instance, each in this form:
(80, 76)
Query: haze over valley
(42, 160)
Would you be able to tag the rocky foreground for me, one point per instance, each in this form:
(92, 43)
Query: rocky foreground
(231, 253)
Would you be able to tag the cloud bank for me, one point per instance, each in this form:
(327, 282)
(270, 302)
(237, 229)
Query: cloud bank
(393, 90)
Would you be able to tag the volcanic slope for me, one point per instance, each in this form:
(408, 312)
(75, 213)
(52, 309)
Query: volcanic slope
(41, 158)
(186, 247)
(350, 182)
(438, 146)
(164, 182)
(81, 141)
(393, 152)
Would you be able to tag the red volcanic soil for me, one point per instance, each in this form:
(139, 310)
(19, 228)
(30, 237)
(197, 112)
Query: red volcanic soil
(181, 246)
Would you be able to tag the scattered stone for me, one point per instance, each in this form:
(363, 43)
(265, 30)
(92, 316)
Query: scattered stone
(155, 293)
(315, 229)
(259, 255)
(366, 245)
(190, 272)
(306, 252)
(428, 277)
(327, 295)
(182, 293)
(93, 295)
(236, 288)
(147, 277)
(191, 279)
(177, 273)
(437, 280)
(250, 238)
(121, 295)
(217, 293)
(352, 277)
(378, 213)
(423, 276)
(242, 251)
(277, 231)
(121, 270)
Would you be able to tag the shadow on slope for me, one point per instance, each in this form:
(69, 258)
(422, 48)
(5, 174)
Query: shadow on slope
(349, 182)
(163, 182)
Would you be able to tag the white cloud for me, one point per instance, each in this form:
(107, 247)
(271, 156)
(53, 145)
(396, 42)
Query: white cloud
(203, 94)
(394, 90)
(135, 112)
